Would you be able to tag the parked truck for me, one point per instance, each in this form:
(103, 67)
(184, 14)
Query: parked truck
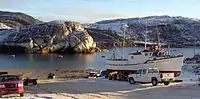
(150, 75)
(11, 84)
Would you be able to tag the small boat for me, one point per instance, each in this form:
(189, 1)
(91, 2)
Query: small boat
(13, 55)
(103, 56)
(60, 56)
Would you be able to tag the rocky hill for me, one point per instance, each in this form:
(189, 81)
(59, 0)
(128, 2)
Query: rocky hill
(104, 35)
(50, 37)
(105, 38)
(13, 19)
(174, 30)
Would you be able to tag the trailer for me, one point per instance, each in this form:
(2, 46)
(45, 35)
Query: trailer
(122, 75)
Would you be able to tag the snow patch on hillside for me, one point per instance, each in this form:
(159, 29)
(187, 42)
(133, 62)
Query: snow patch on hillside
(184, 29)
(3, 26)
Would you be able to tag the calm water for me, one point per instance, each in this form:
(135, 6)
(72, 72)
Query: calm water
(71, 61)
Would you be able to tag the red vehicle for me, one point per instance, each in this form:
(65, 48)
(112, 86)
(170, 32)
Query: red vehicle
(11, 84)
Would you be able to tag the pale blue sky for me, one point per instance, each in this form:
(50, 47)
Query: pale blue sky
(94, 10)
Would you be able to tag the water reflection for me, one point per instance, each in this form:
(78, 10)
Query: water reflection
(56, 60)
(69, 61)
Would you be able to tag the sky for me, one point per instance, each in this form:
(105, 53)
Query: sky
(89, 11)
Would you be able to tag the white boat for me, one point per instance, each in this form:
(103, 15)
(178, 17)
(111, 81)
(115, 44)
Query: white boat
(154, 57)
(147, 58)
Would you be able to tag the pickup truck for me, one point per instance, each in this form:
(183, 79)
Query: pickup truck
(11, 84)
(150, 75)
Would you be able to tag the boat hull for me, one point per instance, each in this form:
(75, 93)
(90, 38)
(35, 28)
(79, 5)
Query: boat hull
(168, 65)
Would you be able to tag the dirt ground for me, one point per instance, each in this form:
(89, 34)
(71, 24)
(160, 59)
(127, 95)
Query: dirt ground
(41, 73)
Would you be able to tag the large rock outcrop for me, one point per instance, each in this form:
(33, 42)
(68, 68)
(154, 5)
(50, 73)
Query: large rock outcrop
(55, 36)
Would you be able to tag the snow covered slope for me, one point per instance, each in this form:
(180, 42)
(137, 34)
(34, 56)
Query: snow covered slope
(173, 29)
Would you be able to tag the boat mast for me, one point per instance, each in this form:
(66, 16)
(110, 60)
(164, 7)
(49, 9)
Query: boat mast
(123, 29)
(158, 37)
(123, 43)
(169, 52)
(145, 44)
(194, 47)
(114, 52)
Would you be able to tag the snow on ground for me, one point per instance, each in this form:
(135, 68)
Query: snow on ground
(189, 73)
(25, 97)
(101, 88)
(188, 76)
(106, 89)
